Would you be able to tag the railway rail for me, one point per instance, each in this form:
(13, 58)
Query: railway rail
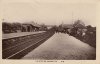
(25, 45)
(10, 42)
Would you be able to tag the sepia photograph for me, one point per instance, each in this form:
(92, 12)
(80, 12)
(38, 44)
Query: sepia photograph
(49, 29)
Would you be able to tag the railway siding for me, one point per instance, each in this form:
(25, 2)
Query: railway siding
(20, 46)
(8, 42)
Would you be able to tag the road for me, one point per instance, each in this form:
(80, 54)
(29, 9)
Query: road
(62, 47)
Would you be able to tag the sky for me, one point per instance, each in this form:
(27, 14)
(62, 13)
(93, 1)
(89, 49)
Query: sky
(50, 12)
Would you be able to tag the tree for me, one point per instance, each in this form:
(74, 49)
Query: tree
(79, 24)
(6, 27)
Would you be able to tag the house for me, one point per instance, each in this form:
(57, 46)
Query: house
(29, 27)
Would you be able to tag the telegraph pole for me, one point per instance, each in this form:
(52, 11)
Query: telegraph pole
(72, 18)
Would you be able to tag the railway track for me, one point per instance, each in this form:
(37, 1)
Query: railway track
(7, 43)
(23, 47)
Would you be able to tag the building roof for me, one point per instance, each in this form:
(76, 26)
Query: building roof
(33, 24)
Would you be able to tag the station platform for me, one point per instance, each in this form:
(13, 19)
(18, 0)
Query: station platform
(12, 35)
